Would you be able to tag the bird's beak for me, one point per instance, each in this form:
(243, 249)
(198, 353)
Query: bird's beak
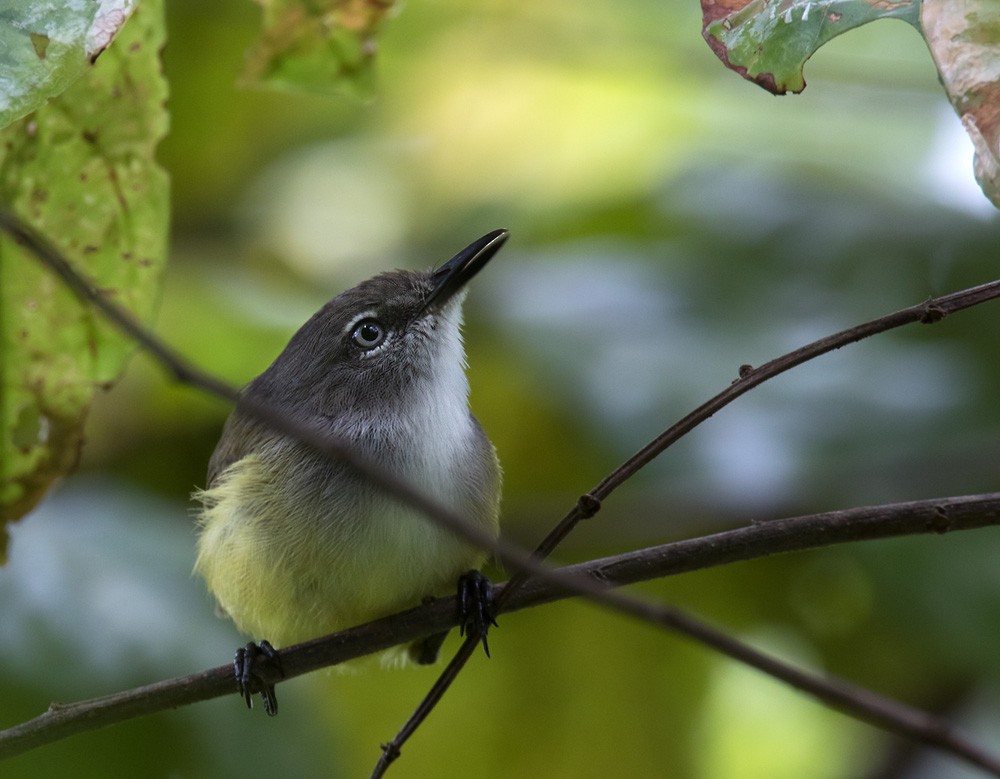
(456, 273)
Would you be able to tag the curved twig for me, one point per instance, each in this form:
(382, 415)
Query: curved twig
(589, 504)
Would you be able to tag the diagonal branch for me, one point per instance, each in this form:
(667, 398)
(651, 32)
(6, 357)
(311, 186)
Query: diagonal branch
(929, 312)
(589, 504)
(747, 543)
(68, 719)
(331, 446)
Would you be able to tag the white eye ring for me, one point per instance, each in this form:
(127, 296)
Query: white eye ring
(368, 334)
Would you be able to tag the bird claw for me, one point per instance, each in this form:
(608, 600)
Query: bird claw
(256, 668)
(475, 606)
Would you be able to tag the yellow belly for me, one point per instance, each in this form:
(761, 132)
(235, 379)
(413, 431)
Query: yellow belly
(286, 572)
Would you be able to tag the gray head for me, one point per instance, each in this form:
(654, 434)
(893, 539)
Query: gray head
(387, 351)
(375, 345)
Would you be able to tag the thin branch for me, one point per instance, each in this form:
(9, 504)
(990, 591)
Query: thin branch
(929, 312)
(747, 543)
(885, 713)
(512, 556)
(589, 504)
(393, 749)
(329, 445)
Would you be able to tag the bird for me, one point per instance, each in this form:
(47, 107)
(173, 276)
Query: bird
(293, 544)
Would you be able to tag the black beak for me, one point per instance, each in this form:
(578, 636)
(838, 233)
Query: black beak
(456, 273)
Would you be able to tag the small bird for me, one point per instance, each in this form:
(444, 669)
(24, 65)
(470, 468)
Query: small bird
(294, 545)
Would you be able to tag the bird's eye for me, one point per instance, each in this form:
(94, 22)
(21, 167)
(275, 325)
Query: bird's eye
(368, 334)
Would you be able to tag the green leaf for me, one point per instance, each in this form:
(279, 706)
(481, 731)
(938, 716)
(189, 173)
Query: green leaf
(325, 46)
(964, 40)
(46, 45)
(769, 41)
(82, 171)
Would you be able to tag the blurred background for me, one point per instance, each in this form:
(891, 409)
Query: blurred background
(669, 222)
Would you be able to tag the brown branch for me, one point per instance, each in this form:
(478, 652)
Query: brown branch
(67, 719)
(331, 446)
(747, 543)
(929, 312)
(589, 504)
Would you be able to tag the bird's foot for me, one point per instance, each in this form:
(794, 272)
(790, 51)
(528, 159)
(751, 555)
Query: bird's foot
(258, 668)
(475, 606)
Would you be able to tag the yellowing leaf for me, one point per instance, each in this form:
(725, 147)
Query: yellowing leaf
(82, 171)
(964, 39)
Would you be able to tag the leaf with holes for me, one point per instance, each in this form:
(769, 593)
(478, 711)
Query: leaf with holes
(81, 169)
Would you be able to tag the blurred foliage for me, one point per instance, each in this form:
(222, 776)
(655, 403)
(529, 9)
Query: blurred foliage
(322, 47)
(669, 223)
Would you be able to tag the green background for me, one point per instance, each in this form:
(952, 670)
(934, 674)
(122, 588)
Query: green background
(669, 222)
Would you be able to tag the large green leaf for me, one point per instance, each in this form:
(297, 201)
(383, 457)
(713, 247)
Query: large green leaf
(325, 46)
(769, 41)
(82, 171)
